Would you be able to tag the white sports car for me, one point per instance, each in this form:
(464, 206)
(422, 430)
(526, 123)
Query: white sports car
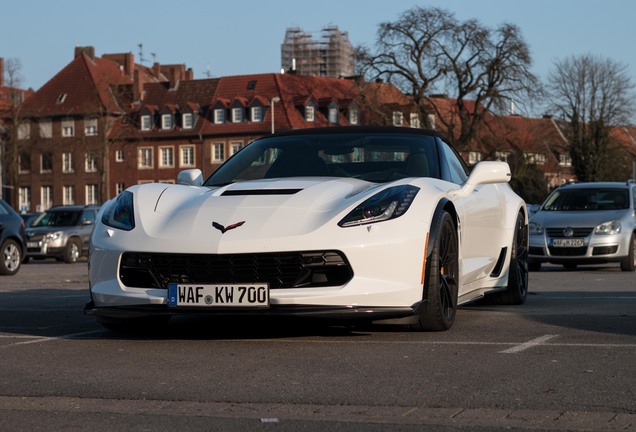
(368, 223)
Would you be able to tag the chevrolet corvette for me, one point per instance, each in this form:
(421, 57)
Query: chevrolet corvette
(377, 224)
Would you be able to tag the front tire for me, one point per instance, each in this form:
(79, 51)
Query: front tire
(629, 263)
(440, 303)
(10, 257)
(73, 251)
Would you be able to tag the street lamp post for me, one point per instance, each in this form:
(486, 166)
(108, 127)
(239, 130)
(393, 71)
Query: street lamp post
(271, 104)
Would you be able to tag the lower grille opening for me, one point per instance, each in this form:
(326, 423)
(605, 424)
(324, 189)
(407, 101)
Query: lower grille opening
(280, 270)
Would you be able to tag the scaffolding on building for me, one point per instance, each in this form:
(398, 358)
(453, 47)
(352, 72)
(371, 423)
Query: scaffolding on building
(329, 55)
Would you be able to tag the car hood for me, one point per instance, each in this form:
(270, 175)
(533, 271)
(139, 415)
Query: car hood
(576, 219)
(260, 208)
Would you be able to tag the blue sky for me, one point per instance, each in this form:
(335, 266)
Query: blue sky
(223, 38)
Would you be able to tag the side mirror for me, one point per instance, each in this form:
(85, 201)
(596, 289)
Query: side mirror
(191, 177)
(486, 173)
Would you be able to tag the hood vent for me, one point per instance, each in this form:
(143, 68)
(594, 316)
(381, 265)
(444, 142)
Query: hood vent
(260, 192)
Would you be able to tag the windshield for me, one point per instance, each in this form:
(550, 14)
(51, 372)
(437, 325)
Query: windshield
(57, 219)
(587, 199)
(376, 158)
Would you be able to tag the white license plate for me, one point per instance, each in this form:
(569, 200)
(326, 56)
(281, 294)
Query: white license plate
(232, 295)
(33, 244)
(568, 242)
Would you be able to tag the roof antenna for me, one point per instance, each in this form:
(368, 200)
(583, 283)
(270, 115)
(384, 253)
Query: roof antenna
(141, 53)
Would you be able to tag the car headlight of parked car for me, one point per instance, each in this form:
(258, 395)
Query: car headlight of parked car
(388, 204)
(535, 228)
(120, 212)
(52, 236)
(608, 228)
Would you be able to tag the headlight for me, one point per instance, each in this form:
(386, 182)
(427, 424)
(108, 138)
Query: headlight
(608, 228)
(388, 204)
(120, 212)
(52, 236)
(535, 228)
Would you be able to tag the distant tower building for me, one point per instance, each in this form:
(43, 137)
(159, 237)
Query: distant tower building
(330, 55)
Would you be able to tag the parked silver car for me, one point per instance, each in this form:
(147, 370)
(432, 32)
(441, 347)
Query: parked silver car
(62, 232)
(585, 223)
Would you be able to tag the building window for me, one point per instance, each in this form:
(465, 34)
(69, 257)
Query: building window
(414, 120)
(166, 157)
(502, 155)
(68, 197)
(146, 122)
(91, 194)
(24, 199)
(90, 127)
(90, 162)
(333, 115)
(24, 131)
(60, 98)
(218, 152)
(565, 160)
(187, 156)
(46, 197)
(166, 121)
(432, 121)
(46, 162)
(187, 120)
(474, 157)
(256, 114)
(119, 188)
(24, 163)
(237, 115)
(119, 156)
(67, 162)
(398, 118)
(235, 147)
(353, 116)
(310, 114)
(145, 158)
(68, 128)
(219, 116)
(46, 128)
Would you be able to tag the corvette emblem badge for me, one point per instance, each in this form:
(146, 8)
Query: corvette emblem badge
(227, 228)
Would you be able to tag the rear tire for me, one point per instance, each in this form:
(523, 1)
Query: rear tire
(10, 257)
(517, 289)
(440, 303)
(629, 263)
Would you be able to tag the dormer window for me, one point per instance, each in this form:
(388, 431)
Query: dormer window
(354, 115)
(397, 118)
(333, 114)
(166, 121)
(187, 120)
(237, 115)
(146, 122)
(256, 114)
(219, 115)
(310, 113)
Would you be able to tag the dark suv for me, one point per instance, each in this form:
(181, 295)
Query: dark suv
(61, 232)
(11, 240)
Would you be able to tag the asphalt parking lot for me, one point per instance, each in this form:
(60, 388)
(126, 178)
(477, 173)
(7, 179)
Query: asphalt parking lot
(563, 361)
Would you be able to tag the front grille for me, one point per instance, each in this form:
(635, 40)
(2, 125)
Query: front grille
(575, 251)
(578, 232)
(279, 270)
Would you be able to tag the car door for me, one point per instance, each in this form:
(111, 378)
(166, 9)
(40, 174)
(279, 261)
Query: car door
(481, 215)
(87, 224)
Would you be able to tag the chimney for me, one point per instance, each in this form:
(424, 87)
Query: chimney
(129, 65)
(88, 50)
(1, 72)
(138, 86)
(173, 78)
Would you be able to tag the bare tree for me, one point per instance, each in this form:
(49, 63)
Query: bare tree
(427, 51)
(14, 120)
(593, 95)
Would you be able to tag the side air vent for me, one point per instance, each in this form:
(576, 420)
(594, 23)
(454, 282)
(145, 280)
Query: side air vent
(260, 192)
(500, 262)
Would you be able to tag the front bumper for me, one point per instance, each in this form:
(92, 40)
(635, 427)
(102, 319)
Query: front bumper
(595, 250)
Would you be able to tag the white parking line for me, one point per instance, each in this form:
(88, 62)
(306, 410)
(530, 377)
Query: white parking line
(524, 346)
(48, 339)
